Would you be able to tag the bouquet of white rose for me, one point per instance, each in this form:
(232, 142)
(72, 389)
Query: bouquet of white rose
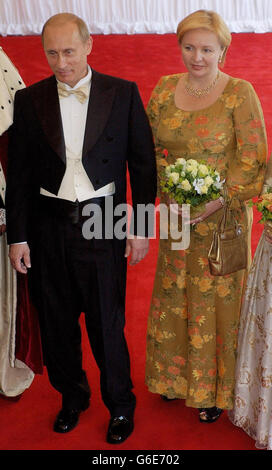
(191, 182)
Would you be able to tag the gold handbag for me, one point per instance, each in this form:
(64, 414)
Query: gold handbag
(228, 251)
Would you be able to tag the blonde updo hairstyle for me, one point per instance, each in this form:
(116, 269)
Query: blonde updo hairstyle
(211, 21)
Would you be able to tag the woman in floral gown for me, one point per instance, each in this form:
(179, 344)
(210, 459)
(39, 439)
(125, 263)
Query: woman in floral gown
(193, 321)
(252, 409)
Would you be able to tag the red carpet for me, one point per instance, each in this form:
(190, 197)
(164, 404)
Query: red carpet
(27, 423)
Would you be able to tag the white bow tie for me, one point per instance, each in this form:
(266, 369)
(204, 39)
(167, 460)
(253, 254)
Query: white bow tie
(81, 92)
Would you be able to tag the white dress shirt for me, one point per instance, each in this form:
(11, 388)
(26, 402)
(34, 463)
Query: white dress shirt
(76, 184)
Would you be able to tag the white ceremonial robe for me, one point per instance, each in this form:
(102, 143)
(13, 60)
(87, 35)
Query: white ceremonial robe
(15, 376)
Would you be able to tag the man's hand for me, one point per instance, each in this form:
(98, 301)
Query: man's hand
(20, 257)
(137, 248)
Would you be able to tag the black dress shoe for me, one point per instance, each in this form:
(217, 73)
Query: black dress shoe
(209, 415)
(165, 398)
(120, 428)
(67, 419)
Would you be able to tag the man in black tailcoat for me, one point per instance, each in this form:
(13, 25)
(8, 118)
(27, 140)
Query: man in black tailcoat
(73, 138)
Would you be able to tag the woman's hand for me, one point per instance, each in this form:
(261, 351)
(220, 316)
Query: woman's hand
(2, 229)
(210, 208)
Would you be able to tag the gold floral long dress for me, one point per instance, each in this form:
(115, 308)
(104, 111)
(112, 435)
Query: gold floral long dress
(194, 316)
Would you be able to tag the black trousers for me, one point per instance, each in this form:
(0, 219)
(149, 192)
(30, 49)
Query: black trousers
(70, 275)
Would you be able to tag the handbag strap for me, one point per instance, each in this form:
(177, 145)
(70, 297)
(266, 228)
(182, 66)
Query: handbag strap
(227, 214)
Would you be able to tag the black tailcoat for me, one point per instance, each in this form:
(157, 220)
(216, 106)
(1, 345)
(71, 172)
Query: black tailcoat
(117, 138)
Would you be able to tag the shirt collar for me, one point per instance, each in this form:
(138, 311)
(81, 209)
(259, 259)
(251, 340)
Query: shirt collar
(84, 81)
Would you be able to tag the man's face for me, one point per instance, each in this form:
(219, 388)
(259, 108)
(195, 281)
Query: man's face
(66, 52)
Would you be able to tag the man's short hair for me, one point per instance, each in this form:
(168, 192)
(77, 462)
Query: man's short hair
(62, 18)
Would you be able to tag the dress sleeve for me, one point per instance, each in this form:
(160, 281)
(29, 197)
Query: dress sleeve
(245, 175)
(153, 110)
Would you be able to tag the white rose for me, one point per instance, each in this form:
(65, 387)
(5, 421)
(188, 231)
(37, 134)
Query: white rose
(181, 161)
(192, 167)
(202, 170)
(208, 181)
(192, 162)
(204, 189)
(186, 185)
(193, 172)
(174, 177)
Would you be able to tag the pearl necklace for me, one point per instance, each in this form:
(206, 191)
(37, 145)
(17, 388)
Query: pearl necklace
(200, 92)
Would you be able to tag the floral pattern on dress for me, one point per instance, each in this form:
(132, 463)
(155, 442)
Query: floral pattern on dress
(194, 316)
(253, 397)
(253, 390)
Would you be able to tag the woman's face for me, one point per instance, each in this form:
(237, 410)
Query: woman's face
(201, 52)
